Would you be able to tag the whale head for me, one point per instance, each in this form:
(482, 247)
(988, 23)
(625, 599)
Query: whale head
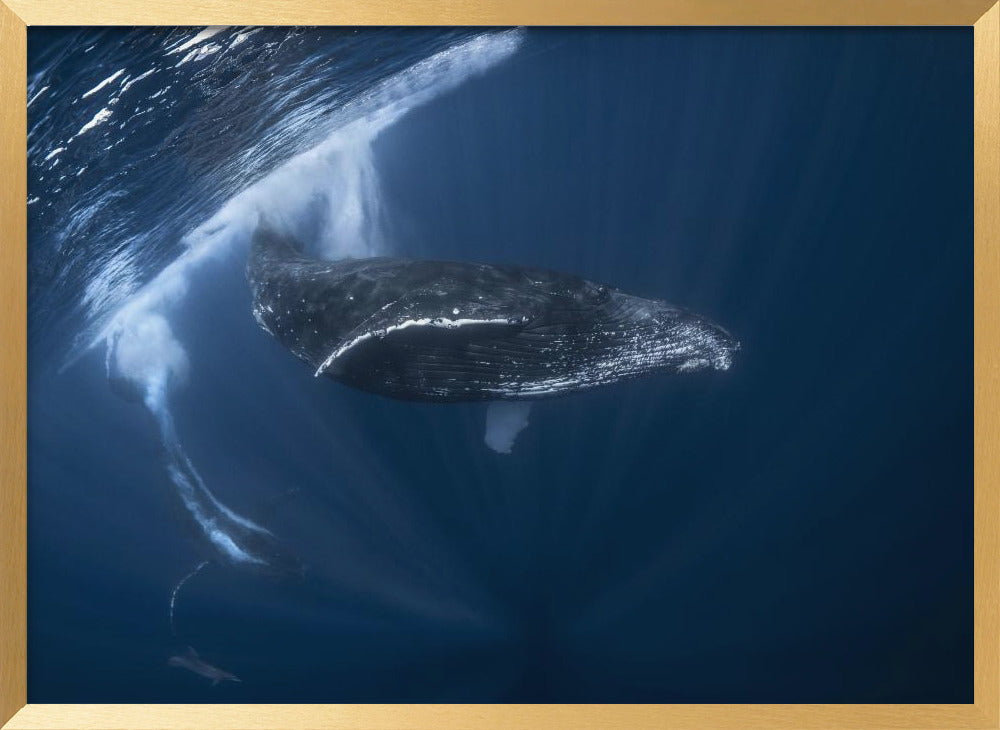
(635, 335)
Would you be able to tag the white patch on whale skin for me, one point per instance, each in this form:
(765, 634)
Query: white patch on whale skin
(693, 365)
(442, 322)
(504, 421)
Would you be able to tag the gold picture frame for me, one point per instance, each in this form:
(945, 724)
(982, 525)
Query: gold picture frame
(16, 15)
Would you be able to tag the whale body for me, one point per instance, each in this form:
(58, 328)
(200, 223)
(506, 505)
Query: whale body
(453, 331)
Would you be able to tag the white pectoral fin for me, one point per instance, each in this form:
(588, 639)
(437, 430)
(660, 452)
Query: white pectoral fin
(504, 421)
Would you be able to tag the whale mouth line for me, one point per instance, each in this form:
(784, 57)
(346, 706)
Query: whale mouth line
(440, 322)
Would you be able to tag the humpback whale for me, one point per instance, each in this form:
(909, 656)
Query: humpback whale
(447, 331)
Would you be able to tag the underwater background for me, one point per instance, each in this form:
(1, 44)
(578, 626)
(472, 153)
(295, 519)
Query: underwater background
(796, 529)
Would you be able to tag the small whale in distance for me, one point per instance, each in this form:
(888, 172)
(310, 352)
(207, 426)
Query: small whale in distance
(194, 663)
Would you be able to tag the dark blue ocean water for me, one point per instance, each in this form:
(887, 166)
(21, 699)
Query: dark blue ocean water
(797, 529)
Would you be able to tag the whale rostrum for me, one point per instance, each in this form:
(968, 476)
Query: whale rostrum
(451, 331)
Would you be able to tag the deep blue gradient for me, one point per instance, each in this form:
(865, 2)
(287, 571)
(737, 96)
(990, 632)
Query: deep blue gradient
(797, 529)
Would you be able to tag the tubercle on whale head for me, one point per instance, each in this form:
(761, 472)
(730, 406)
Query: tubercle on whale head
(660, 334)
(726, 353)
(716, 346)
(724, 360)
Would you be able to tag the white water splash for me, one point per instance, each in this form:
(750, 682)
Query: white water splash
(104, 83)
(335, 180)
(128, 84)
(144, 358)
(146, 355)
(100, 118)
(202, 35)
(335, 184)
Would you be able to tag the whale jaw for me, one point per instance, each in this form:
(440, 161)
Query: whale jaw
(526, 356)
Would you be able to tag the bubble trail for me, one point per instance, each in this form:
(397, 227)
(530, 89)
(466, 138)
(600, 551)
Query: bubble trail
(177, 590)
